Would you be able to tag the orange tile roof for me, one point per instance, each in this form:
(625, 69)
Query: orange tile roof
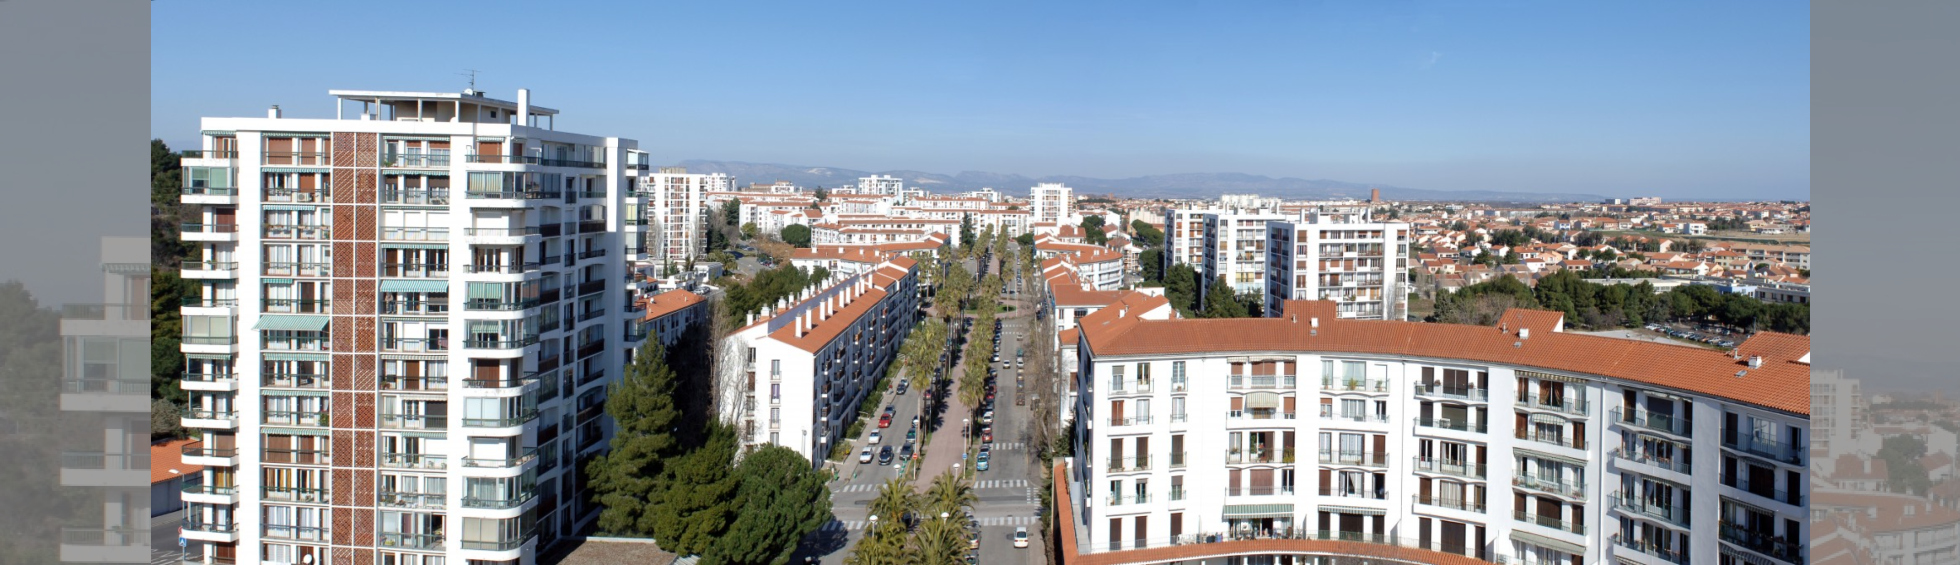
(829, 328)
(1782, 383)
(169, 456)
(670, 302)
(1539, 321)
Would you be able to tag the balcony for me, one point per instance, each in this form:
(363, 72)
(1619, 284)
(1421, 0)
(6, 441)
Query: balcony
(1673, 555)
(417, 542)
(1361, 493)
(307, 419)
(499, 304)
(1768, 492)
(414, 234)
(526, 455)
(1635, 506)
(518, 419)
(1268, 490)
(414, 461)
(1453, 424)
(495, 235)
(1129, 464)
(414, 344)
(1450, 503)
(1454, 468)
(1549, 522)
(1467, 394)
(296, 306)
(591, 287)
(1264, 382)
(1567, 405)
(298, 269)
(205, 418)
(205, 494)
(307, 158)
(1780, 547)
(1664, 423)
(504, 269)
(1353, 385)
(1119, 500)
(294, 533)
(415, 270)
(501, 384)
(414, 384)
(285, 194)
(104, 395)
(411, 499)
(496, 342)
(210, 530)
(1763, 447)
(296, 456)
(511, 544)
(415, 160)
(210, 456)
(392, 421)
(209, 232)
(1574, 491)
(297, 232)
(495, 503)
(415, 196)
(106, 312)
(414, 307)
(1132, 421)
(84, 545)
(1327, 414)
(98, 469)
(1236, 456)
(207, 270)
(1559, 439)
(1675, 464)
(592, 253)
(1355, 458)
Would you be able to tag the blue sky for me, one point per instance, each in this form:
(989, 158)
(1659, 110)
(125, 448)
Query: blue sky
(1675, 99)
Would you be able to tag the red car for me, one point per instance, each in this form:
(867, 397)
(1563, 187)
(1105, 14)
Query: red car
(885, 421)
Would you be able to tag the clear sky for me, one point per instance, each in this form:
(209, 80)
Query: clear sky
(1673, 99)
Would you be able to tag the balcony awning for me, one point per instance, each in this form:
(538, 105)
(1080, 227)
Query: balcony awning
(290, 207)
(1353, 510)
(276, 281)
(425, 435)
(269, 430)
(321, 357)
(415, 286)
(292, 323)
(1258, 511)
(319, 393)
(1548, 543)
(209, 356)
(1262, 400)
(414, 246)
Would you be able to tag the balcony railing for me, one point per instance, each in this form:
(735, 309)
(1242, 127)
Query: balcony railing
(1360, 458)
(210, 526)
(501, 232)
(498, 545)
(1561, 488)
(1261, 382)
(1677, 464)
(399, 382)
(1281, 455)
(1764, 447)
(296, 533)
(413, 344)
(504, 268)
(415, 196)
(1458, 393)
(504, 422)
(414, 307)
(1561, 440)
(208, 154)
(495, 342)
(1675, 555)
(526, 456)
(310, 418)
(498, 304)
(414, 461)
(99, 461)
(414, 234)
(1635, 505)
(1780, 547)
(295, 157)
(411, 499)
(207, 266)
(1664, 423)
(210, 228)
(412, 421)
(1177, 459)
(305, 232)
(1561, 404)
(210, 191)
(201, 451)
(1268, 490)
(415, 160)
(1461, 425)
(415, 270)
(1327, 413)
(296, 306)
(284, 194)
(298, 269)
(1131, 421)
(1549, 522)
(297, 456)
(498, 503)
(1456, 468)
(1451, 503)
(1769, 491)
(102, 386)
(425, 542)
(106, 312)
(1354, 385)
(209, 414)
(295, 494)
(1362, 493)
(124, 537)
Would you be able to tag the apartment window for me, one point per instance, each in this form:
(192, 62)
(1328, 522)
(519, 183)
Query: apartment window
(1177, 375)
(1177, 408)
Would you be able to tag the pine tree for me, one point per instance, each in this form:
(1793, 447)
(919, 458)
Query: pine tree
(695, 501)
(781, 499)
(642, 406)
(1222, 302)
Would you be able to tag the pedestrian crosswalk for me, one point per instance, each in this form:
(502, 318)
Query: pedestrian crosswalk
(1003, 483)
(873, 487)
(1008, 445)
(856, 525)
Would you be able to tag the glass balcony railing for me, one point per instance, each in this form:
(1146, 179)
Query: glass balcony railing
(422, 542)
(1461, 425)
(1359, 458)
(1664, 423)
(1452, 467)
(1554, 486)
(1457, 393)
(414, 461)
(1549, 522)
(527, 455)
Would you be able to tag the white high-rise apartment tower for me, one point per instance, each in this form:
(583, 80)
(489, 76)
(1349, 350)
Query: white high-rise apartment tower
(405, 323)
(678, 216)
(881, 185)
(1338, 255)
(1053, 202)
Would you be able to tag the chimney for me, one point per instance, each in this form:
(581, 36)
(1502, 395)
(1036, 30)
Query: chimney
(1755, 361)
(523, 106)
(1524, 333)
(1314, 322)
(274, 113)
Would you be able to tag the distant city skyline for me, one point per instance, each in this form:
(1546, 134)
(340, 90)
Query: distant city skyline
(1687, 101)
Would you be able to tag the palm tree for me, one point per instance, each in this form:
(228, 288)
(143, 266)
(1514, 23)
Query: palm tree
(895, 499)
(949, 494)
(940, 541)
(885, 544)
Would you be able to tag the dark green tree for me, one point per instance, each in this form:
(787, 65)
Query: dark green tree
(167, 292)
(781, 500)
(731, 212)
(1181, 287)
(1092, 230)
(695, 498)
(1904, 473)
(642, 406)
(1151, 263)
(1026, 239)
(797, 235)
(967, 238)
(1147, 234)
(1222, 302)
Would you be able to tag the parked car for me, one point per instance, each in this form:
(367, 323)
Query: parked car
(905, 452)
(865, 457)
(885, 456)
(1021, 536)
(876, 437)
(981, 463)
(912, 435)
(885, 421)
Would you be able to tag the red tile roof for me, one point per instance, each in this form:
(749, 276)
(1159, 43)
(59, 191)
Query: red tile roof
(168, 456)
(670, 302)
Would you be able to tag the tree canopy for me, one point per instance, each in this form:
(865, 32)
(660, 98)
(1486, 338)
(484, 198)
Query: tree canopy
(780, 500)
(797, 235)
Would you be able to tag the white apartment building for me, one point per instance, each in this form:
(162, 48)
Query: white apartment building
(1235, 248)
(1184, 236)
(1344, 258)
(678, 213)
(105, 391)
(406, 321)
(1098, 268)
(796, 375)
(881, 185)
(1406, 442)
(1052, 202)
(880, 230)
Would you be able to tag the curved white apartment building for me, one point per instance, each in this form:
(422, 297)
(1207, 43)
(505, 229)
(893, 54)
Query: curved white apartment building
(1273, 440)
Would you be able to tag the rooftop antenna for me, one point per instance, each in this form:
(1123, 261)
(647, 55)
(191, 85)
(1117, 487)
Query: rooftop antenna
(472, 74)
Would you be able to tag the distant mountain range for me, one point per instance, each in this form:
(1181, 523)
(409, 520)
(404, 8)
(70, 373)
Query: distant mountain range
(1183, 185)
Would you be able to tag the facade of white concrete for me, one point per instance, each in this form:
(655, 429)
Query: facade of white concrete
(1344, 258)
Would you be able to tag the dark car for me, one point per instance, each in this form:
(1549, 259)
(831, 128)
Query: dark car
(905, 452)
(885, 455)
(904, 386)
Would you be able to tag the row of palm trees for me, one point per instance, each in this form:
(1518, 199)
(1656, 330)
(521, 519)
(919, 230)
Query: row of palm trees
(913, 528)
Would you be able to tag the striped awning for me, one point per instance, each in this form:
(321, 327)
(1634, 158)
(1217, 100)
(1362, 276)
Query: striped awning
(292, 323)
(1353, 510)
(322, 357)
(425, 435)
(1258, 510)
(414, 246)
(289, 207)
(1548, 543)
(1257, 400)
(415, 286)
(319, 393)
(276, 281)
